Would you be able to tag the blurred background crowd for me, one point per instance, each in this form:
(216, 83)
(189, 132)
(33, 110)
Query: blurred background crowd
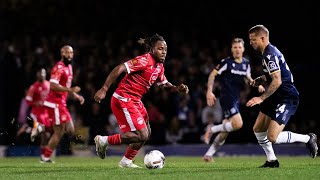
(105, 33)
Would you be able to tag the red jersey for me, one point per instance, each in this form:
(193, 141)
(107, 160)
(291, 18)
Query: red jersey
(37, 94)
(60, 74)
(143, 71)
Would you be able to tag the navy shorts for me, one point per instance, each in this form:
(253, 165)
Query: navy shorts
(229, 108)
(279, 110)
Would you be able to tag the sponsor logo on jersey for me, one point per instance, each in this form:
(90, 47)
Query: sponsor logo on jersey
(140, 120)
(272, 66)
(238, 72)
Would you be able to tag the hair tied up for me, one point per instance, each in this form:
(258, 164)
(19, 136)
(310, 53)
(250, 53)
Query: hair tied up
(141, 41)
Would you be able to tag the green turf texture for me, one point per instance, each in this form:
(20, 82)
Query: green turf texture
(242, 167)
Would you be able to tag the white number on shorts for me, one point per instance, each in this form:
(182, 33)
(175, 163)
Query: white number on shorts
(281, 108)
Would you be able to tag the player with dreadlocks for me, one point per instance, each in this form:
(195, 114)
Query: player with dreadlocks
(141, 73)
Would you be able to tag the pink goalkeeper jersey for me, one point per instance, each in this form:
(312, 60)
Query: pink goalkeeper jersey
(143, 71)
(60, 74)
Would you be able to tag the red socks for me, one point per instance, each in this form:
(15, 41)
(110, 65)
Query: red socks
(130, 153)
(114, 139)
(47, 152)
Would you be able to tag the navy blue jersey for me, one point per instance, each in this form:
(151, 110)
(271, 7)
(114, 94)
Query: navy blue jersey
(232, 75)
(274, 61)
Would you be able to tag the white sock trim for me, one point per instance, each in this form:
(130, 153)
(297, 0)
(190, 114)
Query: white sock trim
(266, 145)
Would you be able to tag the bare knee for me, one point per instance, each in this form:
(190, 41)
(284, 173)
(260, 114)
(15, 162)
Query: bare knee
(70, 128)
(261, 124)
(237, 125)
(236, 122)
(272, 138)
(257, 128)
(58, 131)
(144, 135)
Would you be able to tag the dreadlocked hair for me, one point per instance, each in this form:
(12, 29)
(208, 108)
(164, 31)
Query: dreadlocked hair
(149, 42)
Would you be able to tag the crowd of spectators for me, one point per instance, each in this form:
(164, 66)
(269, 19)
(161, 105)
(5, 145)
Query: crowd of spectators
(25, 47)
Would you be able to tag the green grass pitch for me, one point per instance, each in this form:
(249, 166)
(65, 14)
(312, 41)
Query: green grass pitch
(176, 167)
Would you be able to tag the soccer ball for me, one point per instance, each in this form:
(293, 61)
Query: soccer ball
(154, 159)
